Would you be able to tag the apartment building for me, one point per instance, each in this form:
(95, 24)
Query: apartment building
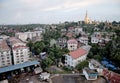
(20, 51)
(5, 54)
(28, 35)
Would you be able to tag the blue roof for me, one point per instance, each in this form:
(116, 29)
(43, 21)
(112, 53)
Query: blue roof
(104, 62)
(18, 66)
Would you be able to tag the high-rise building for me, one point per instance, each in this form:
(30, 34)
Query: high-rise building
(5, 54)
(19, 50)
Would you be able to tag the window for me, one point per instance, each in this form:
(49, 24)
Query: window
(17, 56)
(17, 53)
(22, 61)
(7, 54)
(21, 56)
(3, 61)
(9, 63)
(3, 64)
(2, 55)
(21, 52)
(8, 57)
(1, 52)
(17, 61)
(2, 58)
(8, 60)
(7, 51)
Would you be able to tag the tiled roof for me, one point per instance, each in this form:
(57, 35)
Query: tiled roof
(19, 47)
(72, 41)
(14, 40)
(78, 53)
(69, 34)
(3, 45)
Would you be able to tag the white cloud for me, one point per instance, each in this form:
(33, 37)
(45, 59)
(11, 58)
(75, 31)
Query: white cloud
(73, 4)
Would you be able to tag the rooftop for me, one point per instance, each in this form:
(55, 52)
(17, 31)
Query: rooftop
(96, 64)
(19, 47)
(14, 40)
(72, 41)
(78, 53)
(18, 66)
(91, 71)
(3, 45)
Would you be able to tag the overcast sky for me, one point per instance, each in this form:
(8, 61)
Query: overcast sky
(55, 11)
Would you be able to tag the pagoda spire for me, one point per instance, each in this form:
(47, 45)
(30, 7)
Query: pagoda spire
(86, 19)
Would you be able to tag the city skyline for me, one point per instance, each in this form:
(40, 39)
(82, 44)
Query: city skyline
(45, 12)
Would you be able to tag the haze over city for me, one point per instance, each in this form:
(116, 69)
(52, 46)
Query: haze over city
(55, 11)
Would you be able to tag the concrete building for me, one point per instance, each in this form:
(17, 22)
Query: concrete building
(83, 40)
(5, 54)
(62, 42)
(72, 44)
(90, 74)
(94, 40)
(3, 37)
(74, 57)
(28, 35)
(20, 51)
(93, 64)
(78, 30)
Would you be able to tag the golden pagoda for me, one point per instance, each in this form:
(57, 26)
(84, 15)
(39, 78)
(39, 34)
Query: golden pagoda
(87, 20)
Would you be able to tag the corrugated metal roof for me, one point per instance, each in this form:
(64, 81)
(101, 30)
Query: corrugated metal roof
(18, 66)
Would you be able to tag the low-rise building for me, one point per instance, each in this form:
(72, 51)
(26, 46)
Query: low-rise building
(72, 44)
(78, 30)
(83, 40)
(90, 74)
(94, 40)
(93, 64)
(62, 42)
(5, 54)
(74, 57)
(71, 29)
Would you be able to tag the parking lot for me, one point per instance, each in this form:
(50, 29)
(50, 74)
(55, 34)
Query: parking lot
(75, 79)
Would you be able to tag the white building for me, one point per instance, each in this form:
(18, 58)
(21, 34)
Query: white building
(19, 50)
(5, 54)
(83, 40)
(93, 64)
(94, 40)
(74, 57)
(3, 37)
(25, 35)
(90, 74)
(78, 30)
(72, 44)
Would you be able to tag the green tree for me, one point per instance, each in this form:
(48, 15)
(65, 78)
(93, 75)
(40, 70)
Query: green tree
(81, 65)
(46, 63)
(30, 45)
(38, 47)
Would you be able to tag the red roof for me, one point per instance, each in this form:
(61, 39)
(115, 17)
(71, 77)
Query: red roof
(3, 45)
(77, 53)
(18, 47)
